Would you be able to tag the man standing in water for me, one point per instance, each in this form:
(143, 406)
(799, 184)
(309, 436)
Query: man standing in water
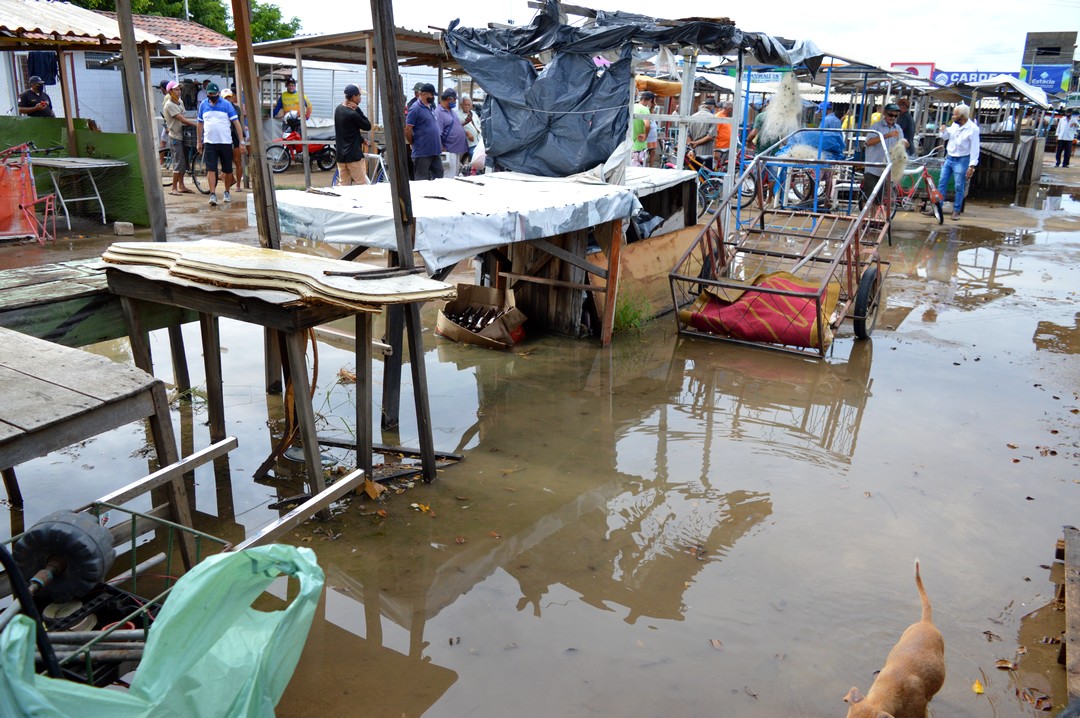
(963, 154)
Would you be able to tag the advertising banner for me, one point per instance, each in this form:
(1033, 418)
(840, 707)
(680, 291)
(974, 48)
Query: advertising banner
(921, 70)
(1052, 78)
(944, 77)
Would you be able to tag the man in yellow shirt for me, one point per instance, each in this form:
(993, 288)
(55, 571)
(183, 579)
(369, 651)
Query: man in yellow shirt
(290, 101)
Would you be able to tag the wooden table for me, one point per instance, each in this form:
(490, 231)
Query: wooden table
(277, 310)
(53, 396)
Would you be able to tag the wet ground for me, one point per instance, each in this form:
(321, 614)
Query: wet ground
(674, 527)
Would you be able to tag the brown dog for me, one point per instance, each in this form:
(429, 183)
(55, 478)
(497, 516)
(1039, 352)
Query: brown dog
(914, 671)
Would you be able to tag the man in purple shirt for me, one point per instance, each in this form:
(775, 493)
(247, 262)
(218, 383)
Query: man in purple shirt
(422, 132)
(451, 132)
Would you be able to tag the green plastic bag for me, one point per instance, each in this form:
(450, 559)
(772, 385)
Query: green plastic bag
(209, 653)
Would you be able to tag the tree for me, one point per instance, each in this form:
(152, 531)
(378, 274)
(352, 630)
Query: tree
(268, 24)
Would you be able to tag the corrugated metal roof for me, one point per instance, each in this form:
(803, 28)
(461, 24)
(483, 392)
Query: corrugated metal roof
(27, 23)
(413, 47)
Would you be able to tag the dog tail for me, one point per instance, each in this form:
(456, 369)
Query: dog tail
(927, 614)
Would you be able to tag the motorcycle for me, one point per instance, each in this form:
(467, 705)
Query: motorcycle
(280, 156)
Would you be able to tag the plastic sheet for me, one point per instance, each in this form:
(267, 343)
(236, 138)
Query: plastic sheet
(571, 115)
(209, 652)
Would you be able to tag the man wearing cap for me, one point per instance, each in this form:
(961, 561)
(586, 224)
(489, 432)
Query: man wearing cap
(703, 134)
(423, 133)
(415, 96)
(216, 116)
(451, 134)
(349, 122)
(642, 124)
(175, 120)
(290, 101)
(34, 102)
(907, 124)
(884, 134)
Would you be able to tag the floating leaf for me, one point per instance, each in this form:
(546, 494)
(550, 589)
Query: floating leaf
(715, 643)
(1005, 664)
(494, 534)
(459, 540)
(382, 513)
(978, 687)
(1012, 446)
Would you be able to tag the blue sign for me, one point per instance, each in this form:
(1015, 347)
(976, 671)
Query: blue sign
(942, 77)
(1052, 78)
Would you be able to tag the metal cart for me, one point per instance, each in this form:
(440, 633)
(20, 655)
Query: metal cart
(786, 270)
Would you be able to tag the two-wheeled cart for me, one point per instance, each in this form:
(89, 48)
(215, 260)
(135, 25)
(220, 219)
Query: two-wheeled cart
(785, 271)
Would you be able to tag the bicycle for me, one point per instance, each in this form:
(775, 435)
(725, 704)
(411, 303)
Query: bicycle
(918, 171)
(710, 189)
(374, 176)
(196, 168)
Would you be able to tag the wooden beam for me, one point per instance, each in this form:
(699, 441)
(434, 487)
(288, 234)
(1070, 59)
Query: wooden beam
(145, 137)
(1072, 611)
(262, 184)
(67, 79)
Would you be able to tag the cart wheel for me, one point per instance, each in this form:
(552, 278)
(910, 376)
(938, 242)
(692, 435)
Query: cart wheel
(867, 302)
(279, 158)
(939, 214)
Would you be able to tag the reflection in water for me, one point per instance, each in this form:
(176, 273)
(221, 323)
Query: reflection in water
(1056, 338)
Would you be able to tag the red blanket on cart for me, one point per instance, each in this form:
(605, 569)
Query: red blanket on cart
(791, 318)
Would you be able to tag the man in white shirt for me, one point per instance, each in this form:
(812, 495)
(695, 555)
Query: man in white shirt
(1066, 133)
(963, 155)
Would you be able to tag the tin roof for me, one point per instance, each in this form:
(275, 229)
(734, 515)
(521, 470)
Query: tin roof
(29, 24)
(413, 47)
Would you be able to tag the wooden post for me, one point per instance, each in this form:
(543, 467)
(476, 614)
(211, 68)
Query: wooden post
(382, 15)
(612, 289)
(66, 78)
(266, 213)
(370, 80)
(144, 135)
(303, 119)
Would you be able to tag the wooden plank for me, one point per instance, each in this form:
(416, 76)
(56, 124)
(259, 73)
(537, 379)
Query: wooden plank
(304, 511)
(1072, 611)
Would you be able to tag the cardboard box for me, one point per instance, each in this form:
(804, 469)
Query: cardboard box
(502, 333)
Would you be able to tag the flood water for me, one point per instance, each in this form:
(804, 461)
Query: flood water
(675, 527)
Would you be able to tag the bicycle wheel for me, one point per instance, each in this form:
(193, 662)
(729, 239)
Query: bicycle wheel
(710, 193)
(867, 302)
(197, 172)
(279, 158)
(939, 214)
(336, 178)
(804, 183)
(747, 191)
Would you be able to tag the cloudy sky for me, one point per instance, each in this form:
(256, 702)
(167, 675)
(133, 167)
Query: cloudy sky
(955, 35)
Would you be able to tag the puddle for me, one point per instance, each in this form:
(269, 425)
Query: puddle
(680, 527)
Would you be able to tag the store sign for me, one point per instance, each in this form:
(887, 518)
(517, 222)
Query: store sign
(1052, 78)
(921, 70)
(942, 77)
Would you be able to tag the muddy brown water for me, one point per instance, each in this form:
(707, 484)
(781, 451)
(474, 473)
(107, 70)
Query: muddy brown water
(683, 527)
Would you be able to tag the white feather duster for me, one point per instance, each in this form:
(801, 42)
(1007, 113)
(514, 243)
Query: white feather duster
(782, 117)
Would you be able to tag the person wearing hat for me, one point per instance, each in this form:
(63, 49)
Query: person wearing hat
(175, 120)
(883, 136)
(415, 96)
(350, 123)
(422, 132)
(451, 133)
(907, 124)
(642, 125)
(35, 102)
(702, 133)
(216, 116)
(290, 101)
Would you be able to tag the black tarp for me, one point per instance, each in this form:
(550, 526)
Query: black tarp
(571, 115)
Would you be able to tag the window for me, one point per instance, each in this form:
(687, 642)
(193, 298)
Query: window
(1047, 52)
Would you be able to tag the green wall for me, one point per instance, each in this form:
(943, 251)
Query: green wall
(121, 188)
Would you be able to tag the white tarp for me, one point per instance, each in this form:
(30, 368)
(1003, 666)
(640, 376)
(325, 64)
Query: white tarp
(460, 218)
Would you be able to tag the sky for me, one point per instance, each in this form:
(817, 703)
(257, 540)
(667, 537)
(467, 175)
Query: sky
(956, 36)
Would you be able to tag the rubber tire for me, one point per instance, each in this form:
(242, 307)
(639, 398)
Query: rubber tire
(279, 158)
(939, 213)
(710, 196)
(197, 173)
(867, 302)
(327, 159)
(85, 545)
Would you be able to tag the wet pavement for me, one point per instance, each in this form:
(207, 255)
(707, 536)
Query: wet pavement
(682, 527)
